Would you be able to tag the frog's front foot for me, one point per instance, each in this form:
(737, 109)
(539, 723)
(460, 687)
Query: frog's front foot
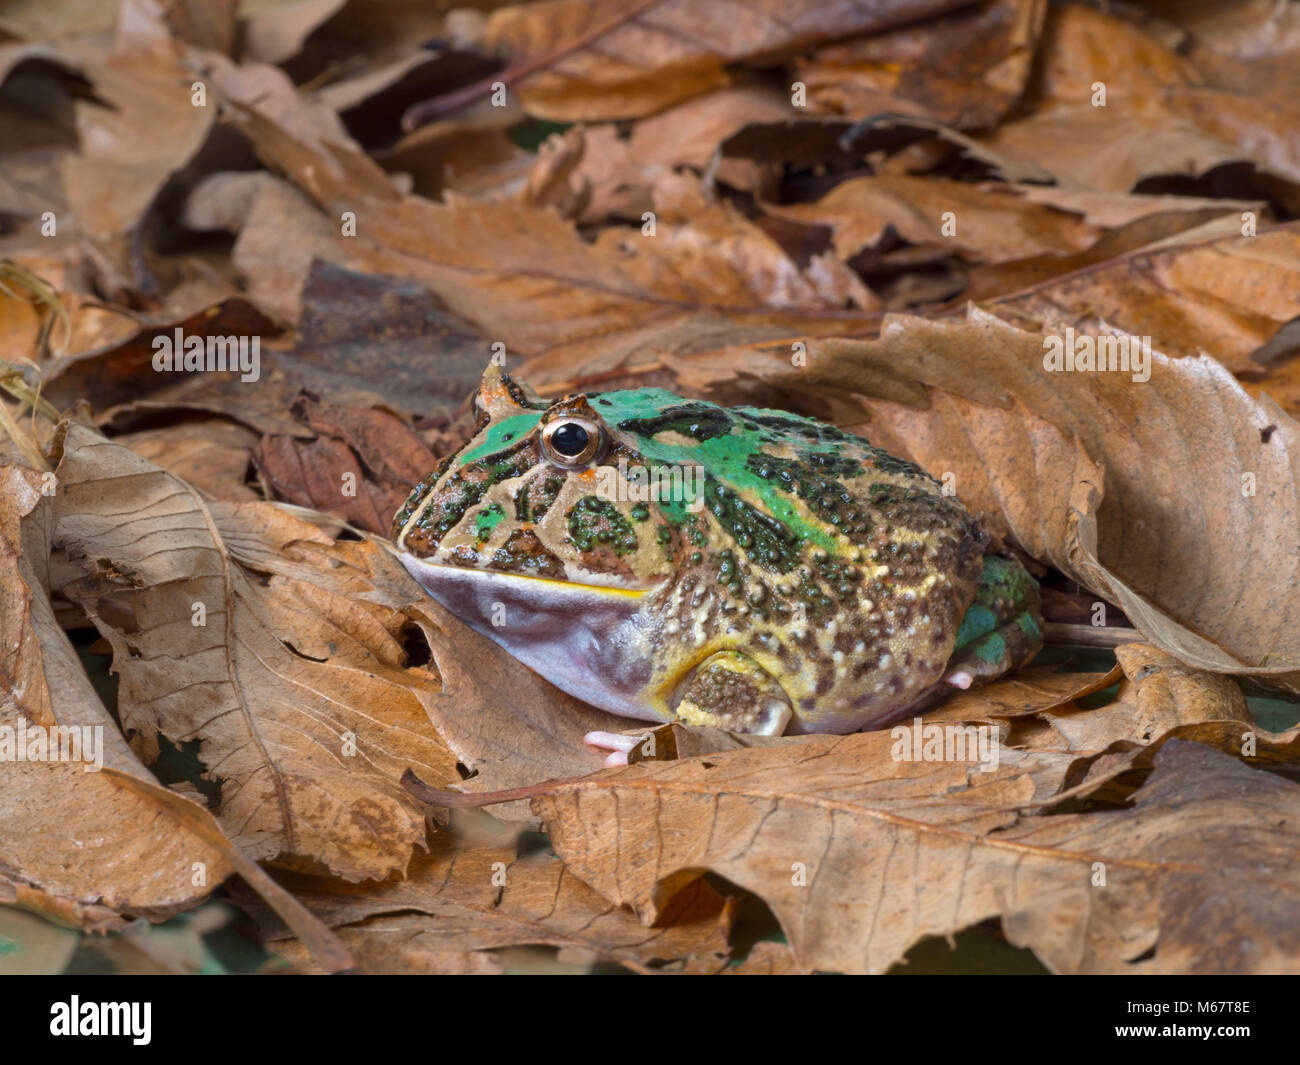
(619, 744)
(731, 691)
(727, 690)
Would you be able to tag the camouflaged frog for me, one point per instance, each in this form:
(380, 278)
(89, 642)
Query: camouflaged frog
(668, 559)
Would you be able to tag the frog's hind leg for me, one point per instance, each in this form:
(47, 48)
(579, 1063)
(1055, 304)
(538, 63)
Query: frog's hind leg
(1003, 628)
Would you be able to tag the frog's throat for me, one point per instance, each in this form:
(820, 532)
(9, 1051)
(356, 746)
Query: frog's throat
(592, 641)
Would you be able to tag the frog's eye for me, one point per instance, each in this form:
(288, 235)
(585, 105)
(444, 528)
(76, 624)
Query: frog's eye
(571, 442)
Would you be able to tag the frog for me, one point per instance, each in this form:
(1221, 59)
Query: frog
(670, 559)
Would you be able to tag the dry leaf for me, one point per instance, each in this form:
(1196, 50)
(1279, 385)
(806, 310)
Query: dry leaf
(967, 70)
(463, 898)
(860, 857)
(295, 692)
(607, 59)
(94, 848)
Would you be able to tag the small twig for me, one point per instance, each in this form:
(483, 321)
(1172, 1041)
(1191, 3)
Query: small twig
(419, 114)
(1089, 635)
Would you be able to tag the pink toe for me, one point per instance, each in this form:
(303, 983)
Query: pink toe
(612, 741)
(960, 679)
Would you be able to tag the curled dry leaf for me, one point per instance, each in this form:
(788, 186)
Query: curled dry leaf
(295, 692)
(361, 465)
(1198, 501)
(1163, 113)
(967, 70)
(508, 727)
(1030, 691)
(622, 167)
(996, 224)
(609, 59)
(1209, 290)
(1159, 694)
(210, 454)
(97, 848)
(1161, 700)
(527, 278)
(468, 897)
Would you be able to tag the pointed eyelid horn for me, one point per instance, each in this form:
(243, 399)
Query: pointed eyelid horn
(501, 396)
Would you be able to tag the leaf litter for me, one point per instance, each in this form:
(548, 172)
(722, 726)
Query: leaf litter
(1132, 813)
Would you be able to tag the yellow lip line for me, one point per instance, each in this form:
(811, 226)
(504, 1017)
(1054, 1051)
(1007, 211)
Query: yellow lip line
(631, 593)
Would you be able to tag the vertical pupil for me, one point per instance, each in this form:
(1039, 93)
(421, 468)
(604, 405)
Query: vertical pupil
(569, 439)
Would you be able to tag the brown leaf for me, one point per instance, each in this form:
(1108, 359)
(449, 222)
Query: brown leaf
(993, 222)
(1177, 543)
(1160, 117)
(324, 474)
(1029, 691)
(211, 455)
(464, 898)
(507, 725)
(123, 371)
(1211, 290)
(622, 167)
(967, 70)
(1160, 694)
(133, 144)
(526, 278)
(891, 853)
(94, 848)
(362, 464)
(608, 59)
(294, 688)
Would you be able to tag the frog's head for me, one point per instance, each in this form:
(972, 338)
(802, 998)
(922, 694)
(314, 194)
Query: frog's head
(544, 532)
(549, 492)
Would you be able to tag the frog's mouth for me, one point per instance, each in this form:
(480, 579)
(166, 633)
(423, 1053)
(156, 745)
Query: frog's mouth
(590, 640)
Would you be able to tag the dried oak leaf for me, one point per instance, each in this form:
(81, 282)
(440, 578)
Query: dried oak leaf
(608, 59)
(1207, 290)
(209, 454)
(1162, 114)
(860, 856)
(291, 682)
(99, 848)
(466, 897)
(363, 462)
(526, 277)
(967, 69)
(1161, 700)
(1180, 541)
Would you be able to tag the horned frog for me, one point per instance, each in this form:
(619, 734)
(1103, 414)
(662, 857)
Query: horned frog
(669, 559)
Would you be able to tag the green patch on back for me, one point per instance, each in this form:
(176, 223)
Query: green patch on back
(725, 441)
(1006, 579)
(979, 621)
